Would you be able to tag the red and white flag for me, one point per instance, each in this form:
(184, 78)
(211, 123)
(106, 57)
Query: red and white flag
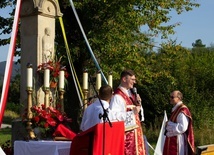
(9, 64)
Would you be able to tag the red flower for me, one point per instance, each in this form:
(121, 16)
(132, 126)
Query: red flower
(46, 125)
(54, 67)
(51, 122)
(36, 119)
(48, 118)
(60, 117)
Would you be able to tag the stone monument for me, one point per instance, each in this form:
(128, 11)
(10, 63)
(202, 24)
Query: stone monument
(37, 40)
(37, 46)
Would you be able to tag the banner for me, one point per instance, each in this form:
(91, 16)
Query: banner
(161, 138)
(2, 152)
(9, 64)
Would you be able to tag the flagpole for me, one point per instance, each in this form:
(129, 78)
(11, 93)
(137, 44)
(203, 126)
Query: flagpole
(9, 62)
(86, 40)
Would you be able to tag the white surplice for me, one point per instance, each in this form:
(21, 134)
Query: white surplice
(92, 114)
(178, 129)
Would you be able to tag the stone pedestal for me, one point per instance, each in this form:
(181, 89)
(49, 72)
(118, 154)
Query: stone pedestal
(19, 131)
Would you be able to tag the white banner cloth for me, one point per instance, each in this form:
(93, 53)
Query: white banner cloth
(161, 138)
(2, 152)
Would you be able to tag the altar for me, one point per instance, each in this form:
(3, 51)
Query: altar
(42, 147)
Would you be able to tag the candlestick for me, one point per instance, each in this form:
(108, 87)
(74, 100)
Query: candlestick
(47, 98)
(29, 115)
(29, 76)
(46, 78)
(85, 79)
(85, 92)
(62, 99)
(110, 81)
(61, 79)
(98, 80)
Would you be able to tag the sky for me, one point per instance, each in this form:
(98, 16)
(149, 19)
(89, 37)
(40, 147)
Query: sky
(196, 24)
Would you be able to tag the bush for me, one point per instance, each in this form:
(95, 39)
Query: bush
(16, 108)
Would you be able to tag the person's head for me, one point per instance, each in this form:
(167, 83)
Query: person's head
(105, 92)
(47, 31)
(127, 79)
(175, 97)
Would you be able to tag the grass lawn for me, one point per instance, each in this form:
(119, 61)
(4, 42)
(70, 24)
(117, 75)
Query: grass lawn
(5, 135)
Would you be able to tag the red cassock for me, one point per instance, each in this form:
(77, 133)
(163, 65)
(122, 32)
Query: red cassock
(100, 139)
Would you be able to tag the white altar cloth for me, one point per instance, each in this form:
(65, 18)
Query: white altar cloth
(42, 147)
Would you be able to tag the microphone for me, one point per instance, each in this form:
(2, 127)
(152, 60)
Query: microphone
(134, 91)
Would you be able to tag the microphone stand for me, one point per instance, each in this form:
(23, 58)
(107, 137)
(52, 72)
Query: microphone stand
(103, 116)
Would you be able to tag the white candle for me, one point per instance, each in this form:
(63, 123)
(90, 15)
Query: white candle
(61, 79)
(98, 81)
(46, 78)
(29, 77)
(85, 80)
(110, 82)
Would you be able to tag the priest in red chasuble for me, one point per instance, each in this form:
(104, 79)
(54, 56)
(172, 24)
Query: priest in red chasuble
(179, 130)
(126, 107)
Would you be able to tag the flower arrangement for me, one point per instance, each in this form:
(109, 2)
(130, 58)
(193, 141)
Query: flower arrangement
(54, 67)
(46, 120)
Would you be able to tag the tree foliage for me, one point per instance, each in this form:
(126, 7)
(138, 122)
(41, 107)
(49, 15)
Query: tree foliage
(6, 21)
(198, 43)
(113, 31)
(14, 90)
(177, 68)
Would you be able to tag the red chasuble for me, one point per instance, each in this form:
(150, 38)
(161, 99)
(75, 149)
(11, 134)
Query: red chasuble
(134, 144)
(171, 146)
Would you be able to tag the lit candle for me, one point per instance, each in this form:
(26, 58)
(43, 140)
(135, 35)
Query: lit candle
(46, 78)
(110, 81)
(85, 80)
(29, 76)
(98, 81)
(61, 79)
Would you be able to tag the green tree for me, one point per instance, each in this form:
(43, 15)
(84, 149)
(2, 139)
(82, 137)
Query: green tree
(113, 30)
(14, 90)
(190, 71)
(6, 22)
(198, 43)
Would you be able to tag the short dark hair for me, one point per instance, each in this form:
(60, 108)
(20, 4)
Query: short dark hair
(127, 72)
(105, 92)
